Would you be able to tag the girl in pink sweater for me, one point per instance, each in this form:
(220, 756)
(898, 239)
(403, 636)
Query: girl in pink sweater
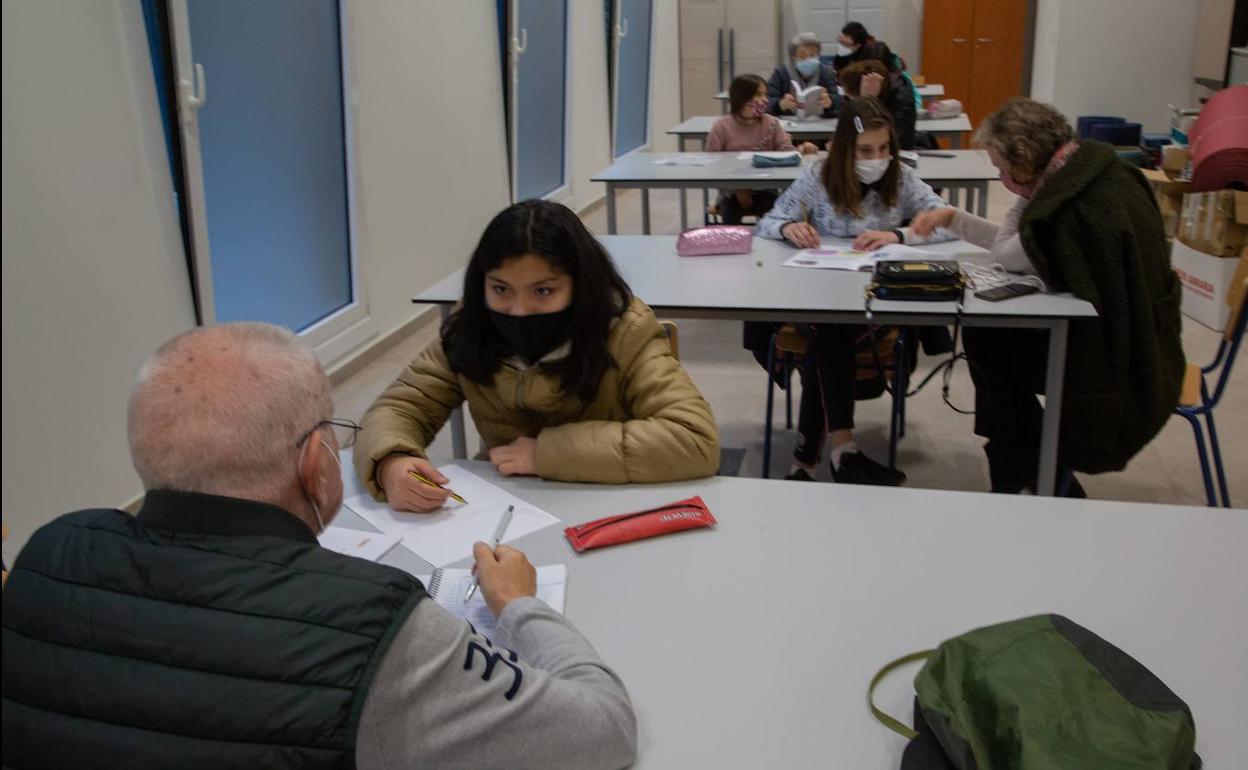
(748, 128)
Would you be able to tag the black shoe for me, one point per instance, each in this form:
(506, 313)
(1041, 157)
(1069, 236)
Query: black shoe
(857, 468)
(801, 474)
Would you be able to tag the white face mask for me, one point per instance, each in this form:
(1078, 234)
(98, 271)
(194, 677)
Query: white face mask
(871, 171)
(844, 50)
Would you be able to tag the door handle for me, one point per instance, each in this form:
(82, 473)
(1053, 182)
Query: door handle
(959, 40)
(621, 29)
(520, 44)
(983, 40)
(719, 58)
(195, 95)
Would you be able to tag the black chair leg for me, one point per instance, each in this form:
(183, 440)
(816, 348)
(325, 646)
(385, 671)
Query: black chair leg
(771, 395)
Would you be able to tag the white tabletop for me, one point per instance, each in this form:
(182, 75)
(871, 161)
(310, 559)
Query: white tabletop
(931, 89)
(726, 167)
(751, 645)
(700, 126)
(756, 286)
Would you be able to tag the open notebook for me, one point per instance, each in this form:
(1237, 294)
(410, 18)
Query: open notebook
(447, 587)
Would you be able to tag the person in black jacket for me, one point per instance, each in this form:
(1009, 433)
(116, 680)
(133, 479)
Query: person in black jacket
(852, 45)
(872, 78)
(806, 69)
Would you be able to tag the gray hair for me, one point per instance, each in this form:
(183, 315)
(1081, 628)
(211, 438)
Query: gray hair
(803, 39)
(219, 410)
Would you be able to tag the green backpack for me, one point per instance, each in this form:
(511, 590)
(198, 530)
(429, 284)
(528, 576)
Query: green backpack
(1040, 692)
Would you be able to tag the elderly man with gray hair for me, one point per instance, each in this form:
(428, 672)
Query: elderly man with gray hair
(805, 69)
(211, 630)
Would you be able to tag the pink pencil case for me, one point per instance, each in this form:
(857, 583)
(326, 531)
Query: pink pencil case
(716, 239)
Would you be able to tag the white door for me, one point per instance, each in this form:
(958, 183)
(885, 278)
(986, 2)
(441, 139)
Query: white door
(753, 37)
(703, 54)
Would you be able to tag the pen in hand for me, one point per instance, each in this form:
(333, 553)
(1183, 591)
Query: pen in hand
(499, 531)
(421, 478)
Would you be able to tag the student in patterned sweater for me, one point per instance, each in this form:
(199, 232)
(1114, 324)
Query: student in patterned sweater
(860, 191)
(748, 128)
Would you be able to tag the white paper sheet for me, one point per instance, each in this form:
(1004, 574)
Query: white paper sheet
(689, 159)
(356, 542)
(830, 258)
(447, 535)
(552, 585)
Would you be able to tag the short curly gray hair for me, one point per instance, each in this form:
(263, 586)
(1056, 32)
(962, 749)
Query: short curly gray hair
(801, 40)
(1026, 133)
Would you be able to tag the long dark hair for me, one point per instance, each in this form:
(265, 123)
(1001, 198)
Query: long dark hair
(474, 347)
(856, 32)
(742, 91)
(839, 178)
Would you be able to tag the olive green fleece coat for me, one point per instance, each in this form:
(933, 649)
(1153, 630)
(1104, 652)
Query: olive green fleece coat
(1094, 229)
(648, 422)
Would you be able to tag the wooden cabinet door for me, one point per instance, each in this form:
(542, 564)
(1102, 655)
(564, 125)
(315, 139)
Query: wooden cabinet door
(997, 45)
(948, 27)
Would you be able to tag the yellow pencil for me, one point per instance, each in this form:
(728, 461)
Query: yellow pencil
(432, 483)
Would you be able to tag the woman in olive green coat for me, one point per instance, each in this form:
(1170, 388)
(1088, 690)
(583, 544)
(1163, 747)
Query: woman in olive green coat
(566, 375)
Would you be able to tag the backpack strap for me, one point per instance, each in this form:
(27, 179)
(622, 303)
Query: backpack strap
(893, 723)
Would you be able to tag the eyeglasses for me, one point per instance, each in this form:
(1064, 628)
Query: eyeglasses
(344, 432)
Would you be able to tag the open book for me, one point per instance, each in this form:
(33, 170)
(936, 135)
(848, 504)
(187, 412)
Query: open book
(448, 586)
(809, 100)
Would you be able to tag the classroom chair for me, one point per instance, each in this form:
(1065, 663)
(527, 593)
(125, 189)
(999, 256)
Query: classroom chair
(894, 352)
(1196, 398)
(673, 337)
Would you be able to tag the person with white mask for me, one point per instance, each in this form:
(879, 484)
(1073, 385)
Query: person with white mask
(854, 44)
(860, 191)
(805, 69)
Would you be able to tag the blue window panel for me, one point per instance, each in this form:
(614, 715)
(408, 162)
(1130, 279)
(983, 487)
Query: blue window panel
(541, 98)
(632, 91)
(274, 158)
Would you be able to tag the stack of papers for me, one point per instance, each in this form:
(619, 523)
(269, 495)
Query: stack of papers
(685, 159)
(447, 534)
(845, 258)
(448, 587)
(356, 542)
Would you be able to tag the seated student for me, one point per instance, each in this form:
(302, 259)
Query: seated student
(871, 77)
(897, 66)
(861, 191)
(806, 69)
(748, 127)
(1085, 223)
(852, 45)
(567, 375)
(211, 631)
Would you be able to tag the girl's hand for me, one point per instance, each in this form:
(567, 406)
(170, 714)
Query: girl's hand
(801, 234)
(807, 148)
(870, 240)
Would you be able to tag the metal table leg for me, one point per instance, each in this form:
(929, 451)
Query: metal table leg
(645, 210)
(459, 440)
(1053, 381)
(981, 199)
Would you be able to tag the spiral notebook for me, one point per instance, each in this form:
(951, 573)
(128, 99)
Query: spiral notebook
(447, 587)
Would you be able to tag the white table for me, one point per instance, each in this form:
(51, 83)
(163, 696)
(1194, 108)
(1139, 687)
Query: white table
(968, 170)
(931, 90)
(751, 645)
(755, 287)
(813, 130)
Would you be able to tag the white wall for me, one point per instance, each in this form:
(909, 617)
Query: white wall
(1115, 57)
(94, 273)
(665, 75)
(427, 184)
(589, 135)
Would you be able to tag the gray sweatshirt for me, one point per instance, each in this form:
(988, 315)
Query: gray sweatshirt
(445, 696)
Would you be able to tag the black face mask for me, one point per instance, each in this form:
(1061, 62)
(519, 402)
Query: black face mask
(532, 336)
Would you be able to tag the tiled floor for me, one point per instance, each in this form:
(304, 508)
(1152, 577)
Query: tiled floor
(939, 451)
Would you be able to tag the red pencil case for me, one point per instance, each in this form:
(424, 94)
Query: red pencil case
(627, 527)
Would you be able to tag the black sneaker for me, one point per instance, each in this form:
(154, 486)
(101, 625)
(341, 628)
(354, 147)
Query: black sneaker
(857, 468)
(801, 474)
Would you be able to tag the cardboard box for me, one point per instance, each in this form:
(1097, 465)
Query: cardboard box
(1215, 222)
(1169, 192)
(1205, 280)
(1174, 158)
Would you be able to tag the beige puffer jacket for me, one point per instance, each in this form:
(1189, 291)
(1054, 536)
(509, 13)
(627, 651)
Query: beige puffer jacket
(648, 422)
